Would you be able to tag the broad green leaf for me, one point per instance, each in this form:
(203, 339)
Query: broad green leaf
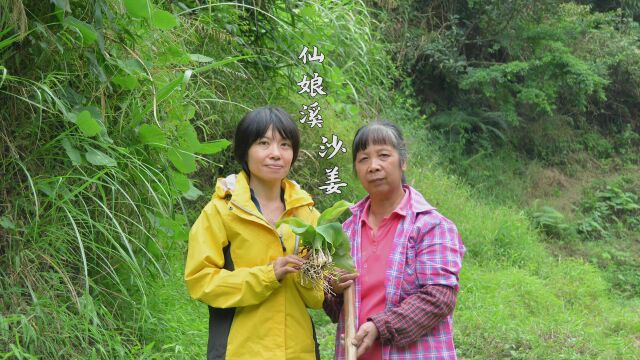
(88, 125)
(72, 152)
(200, 58)
(332, 213)
(138, 8)
(89, 34)
(332, 233)
(151, 134)
(189, 112)
(97, 157)
(163, 19)
(308, 11)
(182, 182)
(183, 160)
(213, 146)
(193, 193)
(46, 188)
(6, 223)
(171, 55)
(344, 262)
(62, 4)
(187, 137)
(299, 227)
(318, 242)
(131, 66)
(126, 81)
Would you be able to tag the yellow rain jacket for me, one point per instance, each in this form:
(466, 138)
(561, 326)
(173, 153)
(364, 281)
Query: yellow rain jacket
(229, 267)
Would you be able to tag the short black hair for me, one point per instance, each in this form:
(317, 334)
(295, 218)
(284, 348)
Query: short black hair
(379, 132)
(254, 125)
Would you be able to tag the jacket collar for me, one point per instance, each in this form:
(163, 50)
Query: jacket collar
(417, 202)
(236, 186)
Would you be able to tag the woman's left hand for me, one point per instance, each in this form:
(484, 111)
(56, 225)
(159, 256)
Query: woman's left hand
(365, 337)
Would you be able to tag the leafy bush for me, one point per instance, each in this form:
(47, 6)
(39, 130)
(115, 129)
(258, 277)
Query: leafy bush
(609, 208)
(551, 222)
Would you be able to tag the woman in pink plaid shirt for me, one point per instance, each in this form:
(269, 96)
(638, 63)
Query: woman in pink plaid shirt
(407, 255)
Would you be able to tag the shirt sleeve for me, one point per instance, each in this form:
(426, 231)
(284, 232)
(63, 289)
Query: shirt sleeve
(205, 276)
(417, 314)
(439, 253)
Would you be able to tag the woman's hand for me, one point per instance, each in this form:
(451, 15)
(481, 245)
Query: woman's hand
(281, 265)
(344, 280)
(365, 337)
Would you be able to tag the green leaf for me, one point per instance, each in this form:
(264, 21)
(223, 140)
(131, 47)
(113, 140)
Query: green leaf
(335, 240)
(189, 112)
(126, 81)
(62, 4)
(200, 58)
(318, 242)
(222, 62)
(193, 193)
(344, 262)
(332, 213)
(167, 89)
(88, 125)
(187, 137)
(308, 11)
(6, 223)
(72, 152)
(8, 41)
(182, 182)
(151, 134)
(97, 157)
(89, 34)
(163, 19)
(213, 147)
(138, 8)
(183, 160)
(131, 66)
(299, 227)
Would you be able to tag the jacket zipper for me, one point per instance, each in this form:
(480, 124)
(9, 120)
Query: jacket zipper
(260, 216)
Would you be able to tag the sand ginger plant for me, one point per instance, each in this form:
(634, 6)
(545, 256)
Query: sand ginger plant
(325, 247)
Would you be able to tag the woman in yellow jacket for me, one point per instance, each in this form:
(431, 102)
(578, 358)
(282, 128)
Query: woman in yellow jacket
(240, 264)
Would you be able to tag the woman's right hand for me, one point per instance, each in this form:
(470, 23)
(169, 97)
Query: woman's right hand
(344, 280)
(282, 267)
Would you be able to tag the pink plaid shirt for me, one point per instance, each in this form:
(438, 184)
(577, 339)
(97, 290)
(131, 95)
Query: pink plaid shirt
(427, 250)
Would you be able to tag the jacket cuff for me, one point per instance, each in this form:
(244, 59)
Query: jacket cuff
(379, 320)
(300, 280)
(270, 277)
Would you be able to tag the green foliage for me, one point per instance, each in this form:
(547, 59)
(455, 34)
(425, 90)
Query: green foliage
(551, 222)
(524, 64)
(91, 202)
(608, 209)
(327, 236)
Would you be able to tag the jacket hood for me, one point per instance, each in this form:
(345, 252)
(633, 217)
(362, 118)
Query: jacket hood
(236, 186)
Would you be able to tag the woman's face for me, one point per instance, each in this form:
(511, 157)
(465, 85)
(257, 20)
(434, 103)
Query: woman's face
(379, 169)
(269, 158)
